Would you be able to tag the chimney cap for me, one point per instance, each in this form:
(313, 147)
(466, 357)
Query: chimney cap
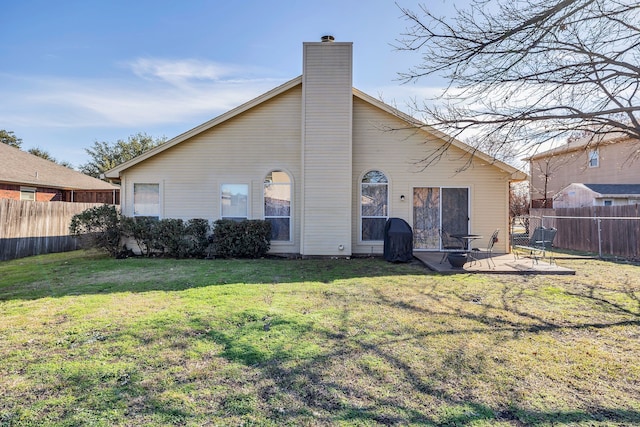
(327, 38)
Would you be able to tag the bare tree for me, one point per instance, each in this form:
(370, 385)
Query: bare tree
(519, 199)
(524, 72)
(545, 170)
(542, 171)
(519, 203)
(495, 148)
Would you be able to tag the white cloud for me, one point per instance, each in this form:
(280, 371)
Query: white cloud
(152, 92)
(180, 71)
(155, 92)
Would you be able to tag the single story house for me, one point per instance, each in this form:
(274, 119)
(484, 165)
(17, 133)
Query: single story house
(579, 195)
(326, 164)
(24, 176)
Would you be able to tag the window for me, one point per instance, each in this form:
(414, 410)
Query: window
(594, 159)
(234, 198)
(374, 201)
(28, 193)
(439, 208)
(608, 203)
(277, 204)
(146, 200)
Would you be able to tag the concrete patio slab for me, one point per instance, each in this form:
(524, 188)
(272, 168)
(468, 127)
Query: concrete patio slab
(504, 264)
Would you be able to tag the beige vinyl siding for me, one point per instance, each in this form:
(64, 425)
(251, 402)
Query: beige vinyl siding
(325, 135)
(396, 152)
(326, 155)
(616, 166)
(241, 150)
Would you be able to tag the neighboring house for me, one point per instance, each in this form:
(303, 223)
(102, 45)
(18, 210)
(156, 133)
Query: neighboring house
(317, 159)
(580, 195)
(24, 176)
(606, 161)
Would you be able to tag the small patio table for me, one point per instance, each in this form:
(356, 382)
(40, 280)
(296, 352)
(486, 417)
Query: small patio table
(466, 240)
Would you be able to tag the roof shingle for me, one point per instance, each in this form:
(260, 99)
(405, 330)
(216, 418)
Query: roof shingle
(20, 167)
(614, 188)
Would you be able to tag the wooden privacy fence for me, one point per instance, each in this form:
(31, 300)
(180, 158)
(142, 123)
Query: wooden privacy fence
(612, 230)
(32, 228)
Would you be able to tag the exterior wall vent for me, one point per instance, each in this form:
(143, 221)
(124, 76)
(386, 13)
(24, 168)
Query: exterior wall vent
(327, 39)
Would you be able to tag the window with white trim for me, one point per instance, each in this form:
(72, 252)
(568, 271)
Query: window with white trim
(594, 159)
(374, 203)
(28, 193)
(277, 204)
(234, 201)
(146, 200)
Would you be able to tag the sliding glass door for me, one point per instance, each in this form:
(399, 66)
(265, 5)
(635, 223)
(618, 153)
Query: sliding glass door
(436, 208)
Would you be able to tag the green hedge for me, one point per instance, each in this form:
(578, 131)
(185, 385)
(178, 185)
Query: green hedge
(145, 232)
(244, 239)
(102, 227)
(98, 227)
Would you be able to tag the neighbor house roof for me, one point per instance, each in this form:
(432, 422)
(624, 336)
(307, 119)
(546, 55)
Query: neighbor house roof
(615, 189)
(581, 144)
(20, 167)
(516, 174)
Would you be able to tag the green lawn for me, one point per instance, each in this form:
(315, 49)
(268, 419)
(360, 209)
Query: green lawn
(88, 340)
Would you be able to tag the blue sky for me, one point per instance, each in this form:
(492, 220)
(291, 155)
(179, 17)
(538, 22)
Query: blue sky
(74, 72)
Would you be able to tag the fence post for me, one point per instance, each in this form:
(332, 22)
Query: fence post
(599, 237)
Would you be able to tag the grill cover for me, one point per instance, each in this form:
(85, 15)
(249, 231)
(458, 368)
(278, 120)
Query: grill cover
(398, 241)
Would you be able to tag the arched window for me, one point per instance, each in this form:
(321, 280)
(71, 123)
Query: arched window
(374, 202)
(277, 204)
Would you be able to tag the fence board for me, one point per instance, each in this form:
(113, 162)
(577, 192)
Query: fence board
(618, 237)
(33, 228)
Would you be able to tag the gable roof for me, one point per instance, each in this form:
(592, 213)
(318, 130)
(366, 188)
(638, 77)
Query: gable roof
(582, 144)
(516, 174)
(20, 167)
(115, 172)
(615, 189)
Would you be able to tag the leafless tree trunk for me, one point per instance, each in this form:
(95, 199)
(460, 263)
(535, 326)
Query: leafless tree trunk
(518, 200)
(544, 169)
(525, 72)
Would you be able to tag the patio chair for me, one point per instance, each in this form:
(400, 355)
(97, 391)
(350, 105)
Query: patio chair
(449, 244)
(489, 250)
(539, 245)
(548, 235)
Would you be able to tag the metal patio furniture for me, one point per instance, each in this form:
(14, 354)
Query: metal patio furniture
(450, 244)
(489, 250)
(539, 245)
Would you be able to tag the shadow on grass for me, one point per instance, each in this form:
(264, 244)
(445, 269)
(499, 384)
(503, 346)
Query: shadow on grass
(299, 372)
(86, 273)
(329, 386)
